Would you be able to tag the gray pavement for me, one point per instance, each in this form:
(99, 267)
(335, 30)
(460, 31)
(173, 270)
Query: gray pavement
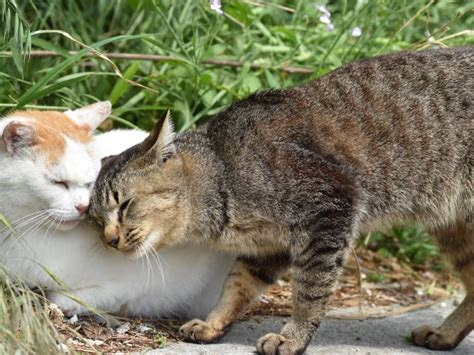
(376, 336)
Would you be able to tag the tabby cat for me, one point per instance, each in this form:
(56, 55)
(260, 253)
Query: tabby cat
(289, 178)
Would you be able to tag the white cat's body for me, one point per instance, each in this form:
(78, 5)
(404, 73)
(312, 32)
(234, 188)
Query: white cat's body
(185, 281)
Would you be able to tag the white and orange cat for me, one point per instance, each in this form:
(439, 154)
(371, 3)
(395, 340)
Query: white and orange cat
(48, 163)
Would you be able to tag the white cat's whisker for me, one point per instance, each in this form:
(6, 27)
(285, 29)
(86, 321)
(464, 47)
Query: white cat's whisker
(23, 237)
(34, 217)
(16, 223)
(50, 224)
(29, 219)
(32, 230)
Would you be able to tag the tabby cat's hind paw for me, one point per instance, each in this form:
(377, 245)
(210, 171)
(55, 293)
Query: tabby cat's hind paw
(431, 338)
(272, 344)
(198, 331)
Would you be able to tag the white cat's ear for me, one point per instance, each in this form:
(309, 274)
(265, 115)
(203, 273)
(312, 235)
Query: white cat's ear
(161, 137)
(92, 115)
(17, 137)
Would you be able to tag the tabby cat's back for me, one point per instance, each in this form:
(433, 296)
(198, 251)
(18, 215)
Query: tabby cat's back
(403, 124)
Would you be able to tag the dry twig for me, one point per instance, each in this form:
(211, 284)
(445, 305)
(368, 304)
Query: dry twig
(168, 58)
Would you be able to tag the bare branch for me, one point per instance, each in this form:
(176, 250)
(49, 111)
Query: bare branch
(167, 58)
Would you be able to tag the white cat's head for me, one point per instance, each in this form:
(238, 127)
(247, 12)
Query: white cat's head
(46, 165)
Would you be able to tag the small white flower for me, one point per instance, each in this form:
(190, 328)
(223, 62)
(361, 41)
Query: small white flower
(356, 32)
(325, 19)
(323, 9)
(216, 6)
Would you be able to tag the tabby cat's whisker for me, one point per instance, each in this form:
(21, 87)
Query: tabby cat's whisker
(156, 257)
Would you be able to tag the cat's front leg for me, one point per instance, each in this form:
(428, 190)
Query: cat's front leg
(66, 303)
(86, 300)
(248, 278)
(316, 266)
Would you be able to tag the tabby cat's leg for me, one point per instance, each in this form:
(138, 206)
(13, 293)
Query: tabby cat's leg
(457, 243)
(248, 278)
(316, 266)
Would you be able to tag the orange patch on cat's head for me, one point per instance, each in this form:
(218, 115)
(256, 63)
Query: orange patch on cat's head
(51, 129)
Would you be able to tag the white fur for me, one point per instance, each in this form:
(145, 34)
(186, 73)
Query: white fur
(185, 281)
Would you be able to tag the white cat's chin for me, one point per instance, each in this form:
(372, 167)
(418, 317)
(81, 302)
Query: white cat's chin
(64, 225)
(67, 225)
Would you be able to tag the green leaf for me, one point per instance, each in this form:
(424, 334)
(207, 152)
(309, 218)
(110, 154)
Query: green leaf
(54, 277)
(17, 56)
(63, 82)
(5, 222)
(49, 46)
(272, 81)
(251, 84)
(121, 86)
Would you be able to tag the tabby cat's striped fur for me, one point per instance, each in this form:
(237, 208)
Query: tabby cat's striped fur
(291, 177)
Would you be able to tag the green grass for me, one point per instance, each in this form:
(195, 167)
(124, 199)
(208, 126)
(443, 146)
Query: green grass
(273, 34)
(24, 324)
(190, 32)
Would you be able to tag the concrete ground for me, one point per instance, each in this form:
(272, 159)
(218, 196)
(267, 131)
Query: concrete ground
(378, 336)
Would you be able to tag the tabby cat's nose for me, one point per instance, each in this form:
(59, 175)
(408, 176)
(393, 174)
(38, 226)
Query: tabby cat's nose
(113, 241)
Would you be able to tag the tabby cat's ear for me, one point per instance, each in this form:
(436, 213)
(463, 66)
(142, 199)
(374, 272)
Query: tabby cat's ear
(92, 115)
(108, 159)
(160, 140)
(18, 137)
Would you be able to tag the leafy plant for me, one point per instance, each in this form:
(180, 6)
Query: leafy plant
(411, 244)
(161, 340)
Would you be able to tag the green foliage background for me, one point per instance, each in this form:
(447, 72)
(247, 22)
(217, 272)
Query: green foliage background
(262, 32)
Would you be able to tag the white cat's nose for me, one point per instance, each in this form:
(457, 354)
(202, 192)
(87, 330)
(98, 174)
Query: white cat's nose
(82, 209)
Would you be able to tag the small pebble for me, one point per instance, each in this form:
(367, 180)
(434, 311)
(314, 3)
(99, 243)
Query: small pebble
(72, 341)
(144, 328)
(125, 327)
(63, 348)
(92, 342)
(73, 320)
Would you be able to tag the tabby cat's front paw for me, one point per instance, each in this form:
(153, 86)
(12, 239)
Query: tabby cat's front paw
(431, 338)
(272, 344)
(199, 331)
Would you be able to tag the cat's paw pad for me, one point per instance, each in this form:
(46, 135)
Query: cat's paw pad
(431, 338)
(200, 332)
(272, 344)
